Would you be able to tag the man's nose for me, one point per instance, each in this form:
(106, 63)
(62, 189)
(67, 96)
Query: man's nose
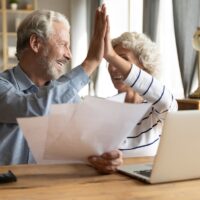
(68, 54)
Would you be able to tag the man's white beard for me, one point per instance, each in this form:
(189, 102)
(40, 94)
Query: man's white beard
(54, 73)
(50, 68)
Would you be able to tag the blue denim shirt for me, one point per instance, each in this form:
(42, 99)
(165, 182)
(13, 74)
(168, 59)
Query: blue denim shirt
(20, 97)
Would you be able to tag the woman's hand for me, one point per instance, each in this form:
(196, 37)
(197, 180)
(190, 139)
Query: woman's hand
(108, 162)
(109, 52)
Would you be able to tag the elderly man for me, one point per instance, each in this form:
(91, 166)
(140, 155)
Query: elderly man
(39, 80)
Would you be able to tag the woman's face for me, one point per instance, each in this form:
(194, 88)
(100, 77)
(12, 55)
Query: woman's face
(117, 77)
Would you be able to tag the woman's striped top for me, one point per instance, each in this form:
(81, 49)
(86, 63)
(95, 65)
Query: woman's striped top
(144, 139)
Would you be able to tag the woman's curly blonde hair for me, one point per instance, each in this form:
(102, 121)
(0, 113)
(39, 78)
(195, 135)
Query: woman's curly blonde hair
(143, 48)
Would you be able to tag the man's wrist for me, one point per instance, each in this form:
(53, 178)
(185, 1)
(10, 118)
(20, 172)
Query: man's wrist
(89, 66)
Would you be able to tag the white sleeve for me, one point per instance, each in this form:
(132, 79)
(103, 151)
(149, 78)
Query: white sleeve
(151, 90)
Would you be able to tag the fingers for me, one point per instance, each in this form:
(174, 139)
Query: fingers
(104, 166)
(96, 18)
(112, 155)
(104, 19)
(108, 51)
(107, 162)
(107, 36)
(99, 161)
(100, 21)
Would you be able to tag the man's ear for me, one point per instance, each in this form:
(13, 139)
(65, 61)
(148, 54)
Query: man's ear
(35, 43)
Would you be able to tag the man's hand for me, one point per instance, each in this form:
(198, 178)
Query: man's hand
(96, 49)
(107, 162)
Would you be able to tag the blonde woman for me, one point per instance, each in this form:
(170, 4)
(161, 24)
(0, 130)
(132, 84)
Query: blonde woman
(133, 64)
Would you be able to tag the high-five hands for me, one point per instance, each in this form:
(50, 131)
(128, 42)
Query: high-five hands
(100, 46)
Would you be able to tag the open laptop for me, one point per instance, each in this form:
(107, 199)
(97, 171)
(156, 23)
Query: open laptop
(178, 152)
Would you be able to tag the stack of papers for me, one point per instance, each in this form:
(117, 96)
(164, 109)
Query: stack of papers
(72, 132)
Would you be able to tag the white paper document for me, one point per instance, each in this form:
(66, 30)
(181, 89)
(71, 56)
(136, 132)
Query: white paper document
(35, 131)
(72, 132)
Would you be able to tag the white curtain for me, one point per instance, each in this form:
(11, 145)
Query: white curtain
(170, 70)
(79, 34)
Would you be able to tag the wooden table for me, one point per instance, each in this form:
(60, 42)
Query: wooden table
(81, 182)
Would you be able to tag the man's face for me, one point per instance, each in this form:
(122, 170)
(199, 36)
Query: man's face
(55, 53)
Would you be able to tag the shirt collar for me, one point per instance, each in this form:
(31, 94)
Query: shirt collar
(22, 79)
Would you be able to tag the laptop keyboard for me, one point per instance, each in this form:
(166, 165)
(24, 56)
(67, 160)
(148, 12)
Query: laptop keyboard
(145, 172)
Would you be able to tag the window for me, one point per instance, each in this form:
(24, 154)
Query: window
(128, 16)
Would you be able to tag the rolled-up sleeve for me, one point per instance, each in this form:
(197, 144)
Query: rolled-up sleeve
(151, 90)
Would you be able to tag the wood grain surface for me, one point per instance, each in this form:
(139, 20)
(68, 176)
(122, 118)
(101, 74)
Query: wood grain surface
(82, 182)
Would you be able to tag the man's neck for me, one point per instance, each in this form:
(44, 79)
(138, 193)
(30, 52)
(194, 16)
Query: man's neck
(35, 75)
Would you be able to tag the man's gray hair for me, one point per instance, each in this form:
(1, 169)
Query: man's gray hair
(40, 23)
(143, 48)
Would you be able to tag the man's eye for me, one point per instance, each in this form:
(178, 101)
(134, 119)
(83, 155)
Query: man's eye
(125, 58)
(64, 45)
